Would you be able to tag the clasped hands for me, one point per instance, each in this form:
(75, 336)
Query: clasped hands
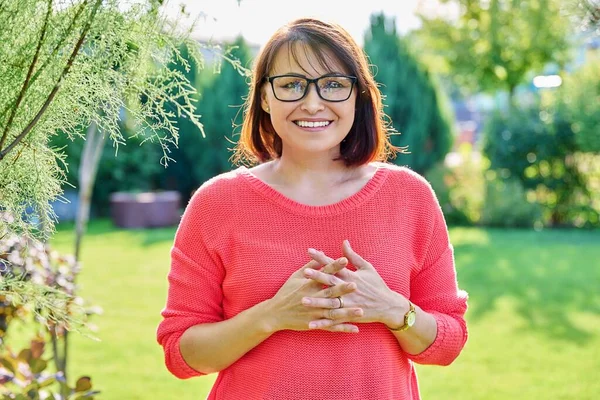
(326, 295)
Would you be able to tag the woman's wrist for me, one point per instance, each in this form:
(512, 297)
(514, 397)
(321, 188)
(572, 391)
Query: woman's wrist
(398, 306)
(263, 315)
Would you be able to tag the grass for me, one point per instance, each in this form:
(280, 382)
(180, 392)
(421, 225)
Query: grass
(534, 316)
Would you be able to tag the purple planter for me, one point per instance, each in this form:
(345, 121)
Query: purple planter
(145, 210)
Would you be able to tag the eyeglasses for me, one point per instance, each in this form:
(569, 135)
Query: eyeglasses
(332, 88)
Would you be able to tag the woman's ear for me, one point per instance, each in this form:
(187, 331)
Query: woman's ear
(264, 104)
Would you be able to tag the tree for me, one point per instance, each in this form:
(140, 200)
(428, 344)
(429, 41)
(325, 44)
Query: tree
(580, 95)
(68, 67)
(494, 44)
(412, 98)
(587, 13)
(222, 90)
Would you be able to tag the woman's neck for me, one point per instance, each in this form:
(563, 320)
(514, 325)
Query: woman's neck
(320, 172)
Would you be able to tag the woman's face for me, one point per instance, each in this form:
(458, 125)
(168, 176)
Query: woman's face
(310, 125)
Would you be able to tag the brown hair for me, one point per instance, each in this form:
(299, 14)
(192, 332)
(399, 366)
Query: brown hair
(367, 139)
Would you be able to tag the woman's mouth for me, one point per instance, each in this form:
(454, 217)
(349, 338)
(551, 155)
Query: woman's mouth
(312, 124)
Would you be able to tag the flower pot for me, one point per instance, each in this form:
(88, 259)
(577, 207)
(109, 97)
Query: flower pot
(145, 210)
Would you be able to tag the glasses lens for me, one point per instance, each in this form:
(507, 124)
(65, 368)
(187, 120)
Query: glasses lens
(335, 88)
(289, 88)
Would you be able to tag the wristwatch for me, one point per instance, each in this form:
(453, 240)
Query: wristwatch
(409, 318)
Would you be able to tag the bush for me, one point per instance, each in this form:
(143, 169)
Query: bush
(46, 296)
(459, 186)
(506, 204)
(580, 95)
(537, 147)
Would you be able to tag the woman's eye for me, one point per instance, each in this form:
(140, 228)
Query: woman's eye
(332, 85)
(295, 85)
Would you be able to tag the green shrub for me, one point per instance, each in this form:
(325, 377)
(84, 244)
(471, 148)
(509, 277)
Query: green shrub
(580, 95)
(46, 297)
(506, 204)
(460, 186)
(537, 147)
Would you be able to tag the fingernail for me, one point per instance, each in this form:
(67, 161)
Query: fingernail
(358, 312)
(311, 250)
(305, 301)
(347, 242)
(350, 286)
(312, 325)
(309, 272)
(343, 261)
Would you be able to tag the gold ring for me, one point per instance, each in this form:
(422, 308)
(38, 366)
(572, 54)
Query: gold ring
(341, 302)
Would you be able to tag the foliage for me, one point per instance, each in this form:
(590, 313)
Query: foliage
(55, 309)
(137, 166)
(586, 13)
(492, 45)
(536, 146)
(413, 101)
(66, 64)
(460, 186)
(580, 95)
(506, 204)
(222, 91)
(25, 376)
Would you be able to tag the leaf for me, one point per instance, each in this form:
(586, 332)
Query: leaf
(24, 355)
(8, 364)
(88, 395)
(37, 347)
(84, 383)
(47, 382)
(37, 365)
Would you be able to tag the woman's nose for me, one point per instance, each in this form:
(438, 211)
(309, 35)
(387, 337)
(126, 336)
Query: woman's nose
(312, 102)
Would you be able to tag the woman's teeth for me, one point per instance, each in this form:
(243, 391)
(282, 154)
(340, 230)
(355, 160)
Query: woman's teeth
(312, 124)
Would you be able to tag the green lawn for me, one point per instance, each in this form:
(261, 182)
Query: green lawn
(534, 316)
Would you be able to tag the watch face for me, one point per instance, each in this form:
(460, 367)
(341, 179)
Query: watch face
(411, 318)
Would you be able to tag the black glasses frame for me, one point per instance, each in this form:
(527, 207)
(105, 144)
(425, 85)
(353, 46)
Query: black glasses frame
(309, 81)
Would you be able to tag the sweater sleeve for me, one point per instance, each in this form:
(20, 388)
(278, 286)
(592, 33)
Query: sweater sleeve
(434, 288)
(194, 293)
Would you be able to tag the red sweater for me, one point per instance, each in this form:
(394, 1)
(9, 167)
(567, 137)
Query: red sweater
(239, 240)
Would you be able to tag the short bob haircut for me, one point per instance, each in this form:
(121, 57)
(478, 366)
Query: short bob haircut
(368, 138)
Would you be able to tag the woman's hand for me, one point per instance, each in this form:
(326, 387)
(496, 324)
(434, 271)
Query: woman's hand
(288, 309)
(378, 302)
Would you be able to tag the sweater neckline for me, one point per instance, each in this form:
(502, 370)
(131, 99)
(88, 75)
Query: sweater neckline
(346, 204)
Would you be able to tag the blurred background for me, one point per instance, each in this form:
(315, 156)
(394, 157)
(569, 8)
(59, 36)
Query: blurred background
(498, 102)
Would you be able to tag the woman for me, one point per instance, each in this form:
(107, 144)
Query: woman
(322, 272)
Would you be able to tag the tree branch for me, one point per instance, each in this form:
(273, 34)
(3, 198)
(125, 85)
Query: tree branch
(52, 54)
(52, 94)
(27, 78)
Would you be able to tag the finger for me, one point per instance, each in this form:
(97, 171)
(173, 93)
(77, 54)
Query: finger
(323, 302)
(311, 265)
(333, 317)
(331, 266)
(333, 292)
(320, 256)
(335, 266)
(325, 279)
(346, 328)
(353, 257)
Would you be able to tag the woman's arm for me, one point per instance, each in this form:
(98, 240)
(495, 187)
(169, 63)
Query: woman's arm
(439, 332)
(417, 338)
(212, 347)
(204, 348)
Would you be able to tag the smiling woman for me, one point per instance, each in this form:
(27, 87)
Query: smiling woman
(251, 297)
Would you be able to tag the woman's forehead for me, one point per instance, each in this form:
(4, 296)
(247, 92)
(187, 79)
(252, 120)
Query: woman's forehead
(302, 59)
